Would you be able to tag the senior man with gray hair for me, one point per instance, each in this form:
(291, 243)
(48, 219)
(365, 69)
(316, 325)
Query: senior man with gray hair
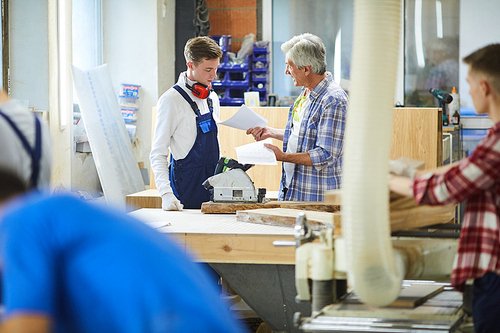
(314, 133)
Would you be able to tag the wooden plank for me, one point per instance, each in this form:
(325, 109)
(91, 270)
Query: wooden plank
(285, 217)
(250, 249)
(233, 207)
(144, 199)
(318, 206)
(405, 213)
(421, 216)
(416, 217)
(418, 133)
(415, 295)
(180, 239)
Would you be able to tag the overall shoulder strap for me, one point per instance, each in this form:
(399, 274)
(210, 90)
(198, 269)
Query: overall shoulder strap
(187, 98)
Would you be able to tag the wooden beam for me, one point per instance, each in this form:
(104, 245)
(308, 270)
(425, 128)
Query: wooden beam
(242, 249)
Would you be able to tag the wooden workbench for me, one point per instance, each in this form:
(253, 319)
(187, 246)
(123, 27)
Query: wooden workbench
(219, 238)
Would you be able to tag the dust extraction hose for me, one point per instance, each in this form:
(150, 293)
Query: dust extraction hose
(374, 269)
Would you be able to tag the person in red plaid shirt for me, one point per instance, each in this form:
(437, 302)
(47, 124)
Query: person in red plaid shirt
(477, 180)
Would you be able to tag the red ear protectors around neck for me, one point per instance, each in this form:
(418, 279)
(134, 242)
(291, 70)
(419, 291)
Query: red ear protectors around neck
(199, 90)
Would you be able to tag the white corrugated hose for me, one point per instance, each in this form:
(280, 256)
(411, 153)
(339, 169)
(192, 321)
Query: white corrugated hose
(375, 270)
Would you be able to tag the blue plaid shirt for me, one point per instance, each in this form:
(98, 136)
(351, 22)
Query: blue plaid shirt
(321, 135)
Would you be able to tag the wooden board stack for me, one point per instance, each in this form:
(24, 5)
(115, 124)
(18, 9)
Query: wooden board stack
(404, 214)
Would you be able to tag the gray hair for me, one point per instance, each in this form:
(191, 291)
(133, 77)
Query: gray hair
(306, 50)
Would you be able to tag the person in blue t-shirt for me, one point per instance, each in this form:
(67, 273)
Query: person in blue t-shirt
(73, 266)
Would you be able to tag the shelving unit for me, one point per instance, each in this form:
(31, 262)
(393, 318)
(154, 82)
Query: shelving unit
(233, 80)
(260, 69)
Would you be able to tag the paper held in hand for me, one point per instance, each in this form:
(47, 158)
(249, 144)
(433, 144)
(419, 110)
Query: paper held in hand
(256, 153)
(244, 119)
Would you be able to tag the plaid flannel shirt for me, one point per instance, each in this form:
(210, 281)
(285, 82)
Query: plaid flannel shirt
(477, 180)
(321, 135)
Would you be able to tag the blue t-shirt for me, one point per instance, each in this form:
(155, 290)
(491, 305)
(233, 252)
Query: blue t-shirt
(93, 269)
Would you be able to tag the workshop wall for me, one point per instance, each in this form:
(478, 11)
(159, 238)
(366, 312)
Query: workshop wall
(29, 52)
(233, 17)
(138, 50)
(474, 35)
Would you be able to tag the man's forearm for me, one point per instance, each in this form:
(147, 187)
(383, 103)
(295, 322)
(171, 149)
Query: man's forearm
(297, 158)
(401, 185)
(277, 133)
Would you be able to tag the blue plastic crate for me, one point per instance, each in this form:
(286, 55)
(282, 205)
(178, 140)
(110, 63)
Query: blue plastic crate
(233, 97)
(224, 42)
(232, 101)
(259, 48)
(231, 67)
(258, 86)
(238, 79)
(258, 77)
(260, 57)
(220, 75)
(221, 92)
(233, 80)
(217, 85)
(260, 67)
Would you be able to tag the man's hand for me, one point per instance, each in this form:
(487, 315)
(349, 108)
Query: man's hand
(259, 133)
(297, 158)
(262, 133)
(399, 168)
(170, 202)
(277, 152)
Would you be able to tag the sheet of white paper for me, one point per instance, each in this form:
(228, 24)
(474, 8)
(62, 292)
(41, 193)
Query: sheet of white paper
(256, 153)
(245, 118)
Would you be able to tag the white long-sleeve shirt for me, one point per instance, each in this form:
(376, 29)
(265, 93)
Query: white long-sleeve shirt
(176, 129)
(13, 155)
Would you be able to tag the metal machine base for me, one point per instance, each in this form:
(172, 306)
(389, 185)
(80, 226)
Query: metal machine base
(268, 289)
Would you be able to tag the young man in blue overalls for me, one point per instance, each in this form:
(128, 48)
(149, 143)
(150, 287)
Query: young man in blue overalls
(186, 127)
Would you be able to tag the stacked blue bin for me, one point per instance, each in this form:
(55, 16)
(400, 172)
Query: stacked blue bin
(260, 69)
(233, 80)
(224, 42)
